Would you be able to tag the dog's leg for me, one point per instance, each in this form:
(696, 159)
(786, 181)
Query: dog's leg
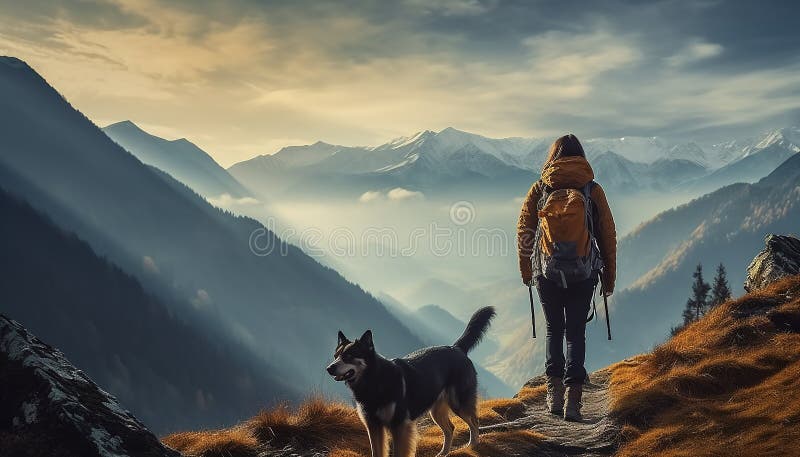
(440, 413)
(404, 439)
(468, 412)
(377, 436)
(377, 440)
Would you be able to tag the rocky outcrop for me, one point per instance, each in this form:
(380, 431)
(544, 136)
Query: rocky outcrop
(50, 408)
(780, 258)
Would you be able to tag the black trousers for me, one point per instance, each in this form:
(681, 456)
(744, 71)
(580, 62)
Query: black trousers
(565, 311)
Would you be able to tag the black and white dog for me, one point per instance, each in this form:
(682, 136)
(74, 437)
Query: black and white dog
(392, 394)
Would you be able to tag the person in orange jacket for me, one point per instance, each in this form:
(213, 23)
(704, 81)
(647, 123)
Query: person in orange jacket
(565, 309)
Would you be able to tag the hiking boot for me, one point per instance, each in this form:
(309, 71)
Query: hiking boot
(572, 411)
(555, 395)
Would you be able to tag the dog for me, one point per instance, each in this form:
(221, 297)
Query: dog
(392, 394)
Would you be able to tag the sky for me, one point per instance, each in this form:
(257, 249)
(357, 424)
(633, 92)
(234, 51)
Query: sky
(243, 77)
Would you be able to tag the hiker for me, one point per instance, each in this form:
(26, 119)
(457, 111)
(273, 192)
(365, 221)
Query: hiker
(566, 238)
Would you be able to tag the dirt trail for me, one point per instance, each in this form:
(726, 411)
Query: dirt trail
(594, 436)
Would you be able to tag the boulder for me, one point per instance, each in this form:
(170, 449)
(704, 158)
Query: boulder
(780, 258)
(50, 408)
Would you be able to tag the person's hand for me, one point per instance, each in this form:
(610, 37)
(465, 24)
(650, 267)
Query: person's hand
(608, 293)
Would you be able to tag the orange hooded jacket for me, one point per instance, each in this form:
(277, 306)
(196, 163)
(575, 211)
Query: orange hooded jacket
(568, 173)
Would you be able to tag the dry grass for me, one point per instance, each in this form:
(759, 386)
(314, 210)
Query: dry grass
(233, 442)
(729, 383)
(316, 423)
(332, 427)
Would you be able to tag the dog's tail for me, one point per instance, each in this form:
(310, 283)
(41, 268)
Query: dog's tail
(476, 328)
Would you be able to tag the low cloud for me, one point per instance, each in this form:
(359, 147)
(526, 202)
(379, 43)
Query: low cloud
(229, 201)
(404, 194)
(370, 196)
(396, 194)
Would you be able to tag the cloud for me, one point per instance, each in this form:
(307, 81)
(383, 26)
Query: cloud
(228, 201)
(399, 193)
(370, 196)
(364, 72)
(694, 52)
(396, 194)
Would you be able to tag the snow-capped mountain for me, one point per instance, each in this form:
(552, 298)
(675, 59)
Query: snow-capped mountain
(730, 151)
(636, 149)
(425, 161)
(432, 161)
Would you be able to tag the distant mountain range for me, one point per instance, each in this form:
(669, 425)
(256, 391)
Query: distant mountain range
(452, 161)
(181, 158)
(456, 163)
(279, 303)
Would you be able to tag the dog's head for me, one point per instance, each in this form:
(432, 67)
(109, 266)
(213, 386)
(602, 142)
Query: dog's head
(352, 358)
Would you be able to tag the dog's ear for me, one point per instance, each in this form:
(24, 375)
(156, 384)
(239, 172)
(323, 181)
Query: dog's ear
(342, 339)
(366, 340)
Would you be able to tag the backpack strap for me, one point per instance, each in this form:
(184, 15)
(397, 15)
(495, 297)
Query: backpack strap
(587, 194)
(587, 189)
(546, 191)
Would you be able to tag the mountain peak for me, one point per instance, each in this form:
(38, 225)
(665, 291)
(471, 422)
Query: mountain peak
(407, 140)
(127, 123)
(788, 137)
(453, 130)
(15, 63)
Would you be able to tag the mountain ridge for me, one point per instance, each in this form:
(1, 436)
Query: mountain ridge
(451, 156)
(174, 241)
(180, 158)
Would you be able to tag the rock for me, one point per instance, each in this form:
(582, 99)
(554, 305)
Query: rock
(50, 408)
(780, 258)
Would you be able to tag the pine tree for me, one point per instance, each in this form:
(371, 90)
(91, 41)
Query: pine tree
(721, 291)
(698, 303)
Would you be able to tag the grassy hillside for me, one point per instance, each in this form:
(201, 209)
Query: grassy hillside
(334, 428)
(728, 383)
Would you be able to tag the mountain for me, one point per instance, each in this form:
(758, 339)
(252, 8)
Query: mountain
(269, 295)
(167, 371)
(453, 162)
(448, 161)
(617, 172)
(50, 408)
(753, 166)
(180, 158)
(657, 259)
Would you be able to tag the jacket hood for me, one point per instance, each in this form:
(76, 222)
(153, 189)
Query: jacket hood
(567, 172)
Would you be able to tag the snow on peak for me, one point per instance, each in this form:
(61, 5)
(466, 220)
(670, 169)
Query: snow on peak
(788, 137)
(407, 140)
